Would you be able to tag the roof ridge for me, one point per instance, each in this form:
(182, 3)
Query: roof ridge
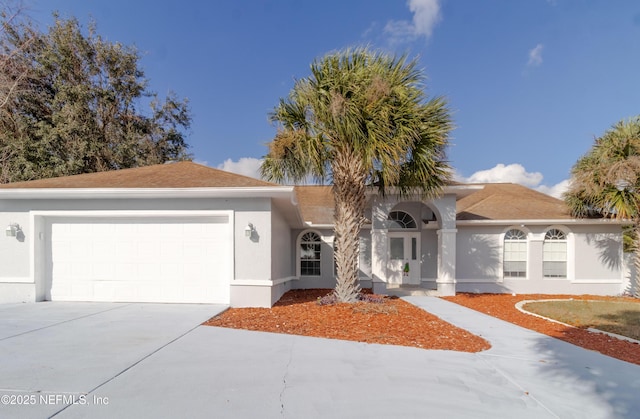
(226, 171)
(181, 174)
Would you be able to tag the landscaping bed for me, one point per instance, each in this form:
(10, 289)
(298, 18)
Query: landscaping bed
(396, 322)
(502, 306)
(391, 322)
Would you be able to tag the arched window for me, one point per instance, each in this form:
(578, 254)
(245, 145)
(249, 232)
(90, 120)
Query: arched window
(401, 219)
(310, 245)
(514, 262)
(554, 254)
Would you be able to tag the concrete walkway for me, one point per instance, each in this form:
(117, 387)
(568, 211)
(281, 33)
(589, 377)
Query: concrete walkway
(564, 379)
(215, 372)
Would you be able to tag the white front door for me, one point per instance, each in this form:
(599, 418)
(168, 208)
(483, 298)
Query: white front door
(404, 258)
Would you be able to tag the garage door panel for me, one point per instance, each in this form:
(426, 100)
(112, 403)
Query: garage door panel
(195, 252)
(102, 271)
(164, 260)
(170, 271)
(124, 271)
(80, 252)
(124, 250)
(102, 247)
(79, 289)
(149, 272)
(81, 270)
(149, 249)
(170, 249)
(121, 291)
(99, 229)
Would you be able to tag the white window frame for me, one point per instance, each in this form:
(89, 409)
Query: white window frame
(556, 241)
(506, 239)
(299, 259)
(405, 221)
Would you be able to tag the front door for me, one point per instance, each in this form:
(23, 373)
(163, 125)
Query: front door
(404, 258)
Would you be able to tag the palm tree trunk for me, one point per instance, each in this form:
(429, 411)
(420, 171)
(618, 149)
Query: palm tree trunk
(349, 196)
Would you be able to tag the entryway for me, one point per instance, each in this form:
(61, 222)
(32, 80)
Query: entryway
(404, 258)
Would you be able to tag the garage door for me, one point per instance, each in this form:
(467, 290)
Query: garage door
(160, 260)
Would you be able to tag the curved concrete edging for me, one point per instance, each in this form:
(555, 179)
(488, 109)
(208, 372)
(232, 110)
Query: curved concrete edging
(520, 304)
(523, 302)
(613, 335)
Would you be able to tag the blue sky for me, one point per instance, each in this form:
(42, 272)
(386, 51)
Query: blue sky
(530, 83)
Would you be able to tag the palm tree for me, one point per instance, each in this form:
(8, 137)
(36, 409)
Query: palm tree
(360, 119)
(606, 182)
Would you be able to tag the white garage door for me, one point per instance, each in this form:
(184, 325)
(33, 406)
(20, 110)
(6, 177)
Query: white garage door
(165, 260)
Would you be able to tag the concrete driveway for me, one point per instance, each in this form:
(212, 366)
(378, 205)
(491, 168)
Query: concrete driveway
(148, 360)
(54, 353)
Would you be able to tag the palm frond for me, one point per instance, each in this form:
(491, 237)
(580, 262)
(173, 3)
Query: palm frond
(606, 180)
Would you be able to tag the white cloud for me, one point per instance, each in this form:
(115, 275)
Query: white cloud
(535, 56)
(515, 173)
(247, 166)
(373, 28)
(426, 15)
(399, 31)
(556, 190)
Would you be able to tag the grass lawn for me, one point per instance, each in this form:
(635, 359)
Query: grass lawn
(620, 317)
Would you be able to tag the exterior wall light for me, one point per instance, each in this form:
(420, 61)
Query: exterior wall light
(248, 230)
(12, 229)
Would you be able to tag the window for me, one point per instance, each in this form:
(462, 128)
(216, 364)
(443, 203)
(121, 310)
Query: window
(396, 248)
(401, 220)
(310, 245)
(514, 263)
(554, 254)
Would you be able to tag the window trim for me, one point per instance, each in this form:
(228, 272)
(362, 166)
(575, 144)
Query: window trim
(567, 253)
(299, 243)
(526, 240)
(406, 222)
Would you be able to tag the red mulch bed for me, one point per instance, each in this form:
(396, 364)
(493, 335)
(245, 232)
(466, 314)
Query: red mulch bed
(502, 306)
(392, 322)
(396, 322)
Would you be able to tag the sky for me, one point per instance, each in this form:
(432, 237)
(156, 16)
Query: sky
(530, 83)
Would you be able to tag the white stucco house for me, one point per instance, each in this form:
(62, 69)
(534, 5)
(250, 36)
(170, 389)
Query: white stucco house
(187, 233)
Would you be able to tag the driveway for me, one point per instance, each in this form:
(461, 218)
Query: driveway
(147, 360)
(54, 353)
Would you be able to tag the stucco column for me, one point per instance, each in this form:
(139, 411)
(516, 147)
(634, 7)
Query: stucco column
(534, 258)
(379, 254)
(379, 260)
(446, 281)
